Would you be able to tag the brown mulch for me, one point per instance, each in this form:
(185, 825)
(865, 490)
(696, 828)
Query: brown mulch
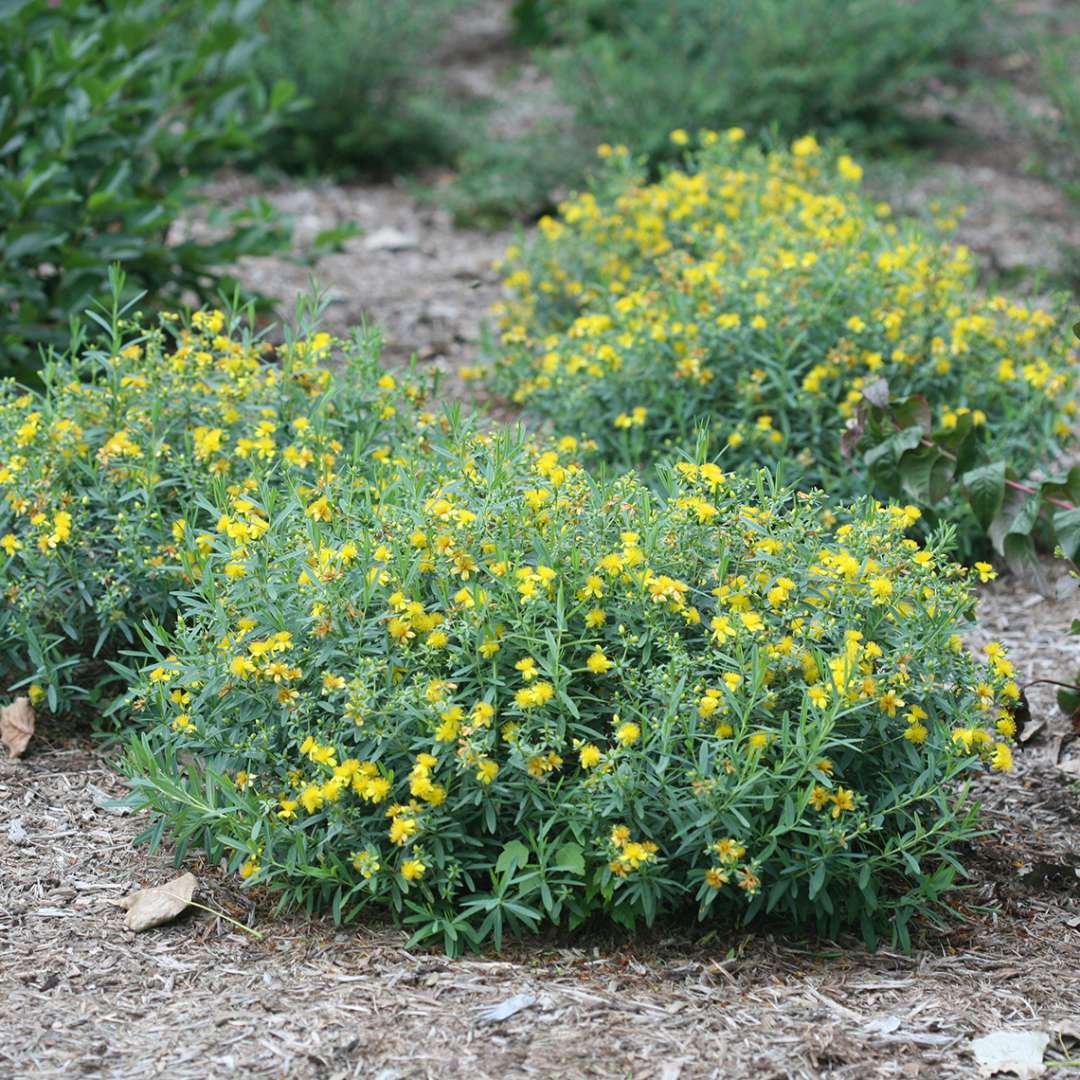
(81, 995)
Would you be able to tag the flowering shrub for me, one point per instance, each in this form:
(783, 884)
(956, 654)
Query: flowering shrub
(112, 477)
(764, 292)
(485, 691)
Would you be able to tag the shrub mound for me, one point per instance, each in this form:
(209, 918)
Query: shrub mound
(478, 688)
(764, 292)
(112, 474)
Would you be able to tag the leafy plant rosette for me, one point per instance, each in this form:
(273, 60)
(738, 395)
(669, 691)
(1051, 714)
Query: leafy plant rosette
(119, 474)
(763, 292)
(486, 692)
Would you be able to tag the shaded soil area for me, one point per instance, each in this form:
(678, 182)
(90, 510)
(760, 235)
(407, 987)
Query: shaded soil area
(201, 998)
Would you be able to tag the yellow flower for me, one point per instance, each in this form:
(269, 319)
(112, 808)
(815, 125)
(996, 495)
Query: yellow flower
(486, 771)
(843, 799)
(402, 829)
(311, 798)
(848, 168)
(330, 683)
(589, 756)
(319, 510)
(628, 733)
(598, 663)
(412, 869)
(716, 878)
(728, 850)
(881, 589)
(890, 703)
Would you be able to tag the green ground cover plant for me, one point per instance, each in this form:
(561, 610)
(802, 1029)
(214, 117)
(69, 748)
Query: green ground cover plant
(763, 293)
(371, 96)
(110, 116)
(629, 71)
(847, 68)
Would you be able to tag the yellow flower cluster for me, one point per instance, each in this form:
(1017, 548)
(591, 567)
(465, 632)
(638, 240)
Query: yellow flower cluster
(764, 293)
(110, 470)
(466, 648)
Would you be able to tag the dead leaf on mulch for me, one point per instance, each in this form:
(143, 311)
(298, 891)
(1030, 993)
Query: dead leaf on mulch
(505, 1009)
(148, 908)
(1068, 1027)
(17, 726)
(1070, 766)
(1016, 1052)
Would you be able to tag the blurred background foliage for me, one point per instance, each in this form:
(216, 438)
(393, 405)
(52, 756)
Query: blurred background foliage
(113, 116)
(371, 102)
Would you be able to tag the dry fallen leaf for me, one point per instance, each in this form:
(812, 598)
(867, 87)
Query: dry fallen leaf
(505, 1009)
(148, 908)
(882, 1025)
(1016, 1052)
(16, 726)
(1071, 766)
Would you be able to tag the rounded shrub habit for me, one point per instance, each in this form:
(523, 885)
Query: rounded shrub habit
(763, 293)
(477, 687)
(111, 476)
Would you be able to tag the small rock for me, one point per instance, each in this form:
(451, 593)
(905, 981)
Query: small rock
(1016, 1052)
(440, 311)
(148, 908)
(390, 239)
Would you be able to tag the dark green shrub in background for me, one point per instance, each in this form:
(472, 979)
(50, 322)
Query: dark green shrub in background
(110, 115)
(629, 71)
(847, 66)
(372, 98)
